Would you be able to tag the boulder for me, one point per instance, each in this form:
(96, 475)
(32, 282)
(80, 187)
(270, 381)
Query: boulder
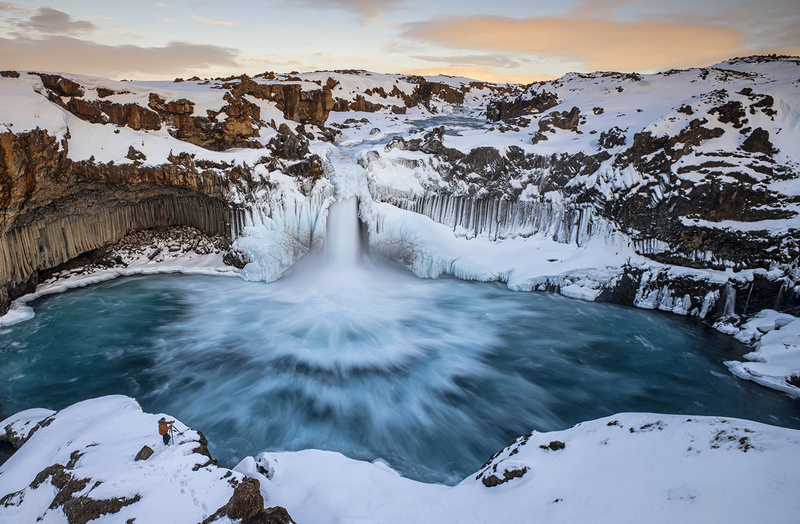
(145, 453)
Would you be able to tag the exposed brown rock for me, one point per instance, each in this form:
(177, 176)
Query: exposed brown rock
(103, 92)
(145, 453)
(103, 111)
(566, 120)
(60, 85)
(758, 142)
(247, 505)
(135, 154)
(305, 107)
(612, 138)
(237, 130)
(493, 480)
(731, 113)
(81, 510)
(505, 110)
(9, 74)
(665, 147)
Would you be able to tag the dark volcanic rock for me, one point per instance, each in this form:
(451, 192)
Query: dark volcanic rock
(611, 138)
(731, 113)
(145, 453)
(247, 506)
(491, 481)
(61, 86)
(506, 110)
(103, 111)
(758, 142)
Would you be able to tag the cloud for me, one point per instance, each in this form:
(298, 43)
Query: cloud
(103, 18)
(12, 8)
(595, 8)
(600, 44)
(767, 24)
(49, 21)
(495, 60)
(60, 53)
(206, 21)
(368, 9)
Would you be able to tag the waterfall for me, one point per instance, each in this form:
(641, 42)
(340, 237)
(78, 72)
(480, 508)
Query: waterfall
(730, 301)
(342, 245)
(747, 302)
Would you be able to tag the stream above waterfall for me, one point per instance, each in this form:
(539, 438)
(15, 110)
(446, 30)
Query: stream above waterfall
(432, 376)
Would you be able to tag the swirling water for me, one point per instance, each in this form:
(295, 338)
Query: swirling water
(432, 376)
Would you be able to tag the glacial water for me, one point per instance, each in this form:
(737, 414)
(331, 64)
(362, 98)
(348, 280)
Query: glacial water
(432, 376)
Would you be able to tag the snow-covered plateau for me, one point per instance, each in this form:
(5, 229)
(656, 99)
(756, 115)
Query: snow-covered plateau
(677, 191)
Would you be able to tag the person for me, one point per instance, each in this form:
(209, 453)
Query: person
(163, 429)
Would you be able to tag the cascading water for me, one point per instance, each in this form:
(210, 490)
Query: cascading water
(729, 309)
(342, 245)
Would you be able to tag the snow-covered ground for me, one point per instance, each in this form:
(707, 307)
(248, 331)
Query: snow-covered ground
(625, 468)
(776, 337)
(98, 440)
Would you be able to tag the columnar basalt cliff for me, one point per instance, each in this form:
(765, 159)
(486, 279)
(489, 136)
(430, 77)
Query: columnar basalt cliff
(55, 209)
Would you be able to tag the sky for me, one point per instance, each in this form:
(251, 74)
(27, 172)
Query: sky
(516, 41)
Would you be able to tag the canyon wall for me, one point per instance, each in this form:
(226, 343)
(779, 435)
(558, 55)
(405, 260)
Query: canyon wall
(54, 209)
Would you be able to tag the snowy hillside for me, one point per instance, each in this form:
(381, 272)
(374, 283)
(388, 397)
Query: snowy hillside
(85, 462)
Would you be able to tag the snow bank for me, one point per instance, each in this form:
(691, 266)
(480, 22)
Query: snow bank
(776, 361)
(626, 468)
(98, 440)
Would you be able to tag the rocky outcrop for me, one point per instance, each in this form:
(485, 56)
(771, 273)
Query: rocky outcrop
(296, 104)
(611, 138)
(59, 477)
(60, 86)
(106, 112)
(506, 110)
(239, 126)
(247, 506)
(78, 509)
(758, 142)
(669, 220)
(423, 94)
